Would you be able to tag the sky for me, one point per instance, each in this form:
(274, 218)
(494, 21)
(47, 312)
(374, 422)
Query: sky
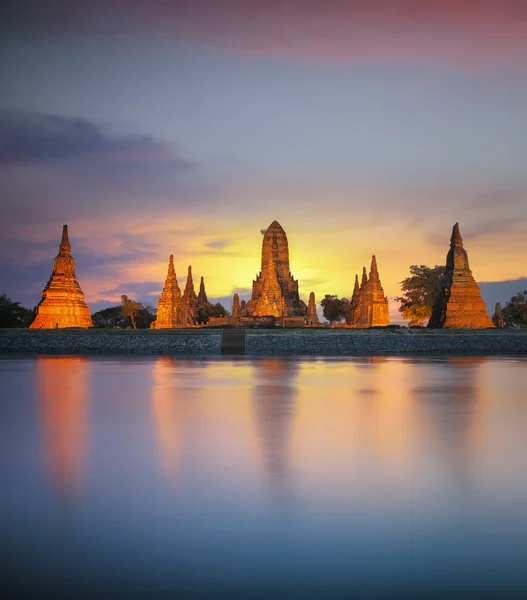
(154, 128)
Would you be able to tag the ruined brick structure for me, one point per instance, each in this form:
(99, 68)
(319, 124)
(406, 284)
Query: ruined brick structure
(62, 304)
(312, 316)
(170, 309)
(459, 304)
(369, 305)
(275, 291)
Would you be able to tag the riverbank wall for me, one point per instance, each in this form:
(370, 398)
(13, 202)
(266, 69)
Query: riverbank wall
(301, 342)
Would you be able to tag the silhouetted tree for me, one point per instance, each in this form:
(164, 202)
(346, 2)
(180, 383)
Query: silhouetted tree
(333, 309)
(515, 311)
(130, 309)
(419, 292)
(145, 315)
(114, 316)
(109, 317)
(207, 310)
(13, 314)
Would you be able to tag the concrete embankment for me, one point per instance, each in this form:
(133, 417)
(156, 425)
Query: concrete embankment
(301, 342)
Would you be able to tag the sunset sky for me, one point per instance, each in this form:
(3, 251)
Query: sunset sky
(364, 127)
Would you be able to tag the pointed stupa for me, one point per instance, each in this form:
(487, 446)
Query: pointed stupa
(190, 300)
(62, 304)
(65, 246)
(275, 250)
(364, 281)
(352, 314)
(459, 303)
(202, 296)
(169, 306)
(312, 316)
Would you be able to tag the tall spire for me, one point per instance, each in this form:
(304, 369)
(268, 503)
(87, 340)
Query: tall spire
(456, 239)
(356, 286)
(189, 297)
(171, 269)
(65, 247)
(374, 274)
(364, 281)
(202, 296)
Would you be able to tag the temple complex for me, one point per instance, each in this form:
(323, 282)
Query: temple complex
(312, 316)
(459, 304)
(62, 303)
(170, 310)
(275, 291)
(369, 305)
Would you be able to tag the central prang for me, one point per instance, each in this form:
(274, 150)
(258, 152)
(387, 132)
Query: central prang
(275, 291)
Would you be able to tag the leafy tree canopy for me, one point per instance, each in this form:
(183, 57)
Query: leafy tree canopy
(113, 316)
(419, 292)
(515, 311)
(13, 314)
(333, 309)
(207, 310)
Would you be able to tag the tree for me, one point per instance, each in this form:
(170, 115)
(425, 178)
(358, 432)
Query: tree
(12, 314)
(207, 310)
(515, 311)
(333, 309)
(109, 317)
(419, 292)
(130, 308)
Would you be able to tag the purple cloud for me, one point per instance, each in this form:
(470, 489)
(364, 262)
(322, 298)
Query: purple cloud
(35, 138)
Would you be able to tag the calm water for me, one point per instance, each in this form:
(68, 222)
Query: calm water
(263, 478)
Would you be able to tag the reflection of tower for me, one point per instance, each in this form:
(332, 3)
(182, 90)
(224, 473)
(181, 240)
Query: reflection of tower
(452, 405)
(62, 392)
(273, 402)
(164, 396)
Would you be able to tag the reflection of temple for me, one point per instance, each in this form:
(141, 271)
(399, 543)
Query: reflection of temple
(274, 402)
(62, 391)
(164, 396)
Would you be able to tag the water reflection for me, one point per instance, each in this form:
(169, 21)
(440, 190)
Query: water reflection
(62, 393)
(451, 405)
(274, 404)
(165, 395)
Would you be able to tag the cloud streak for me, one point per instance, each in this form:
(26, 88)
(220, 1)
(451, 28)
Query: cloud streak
(471, 31)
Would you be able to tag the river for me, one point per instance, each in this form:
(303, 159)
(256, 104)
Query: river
(263, 478)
